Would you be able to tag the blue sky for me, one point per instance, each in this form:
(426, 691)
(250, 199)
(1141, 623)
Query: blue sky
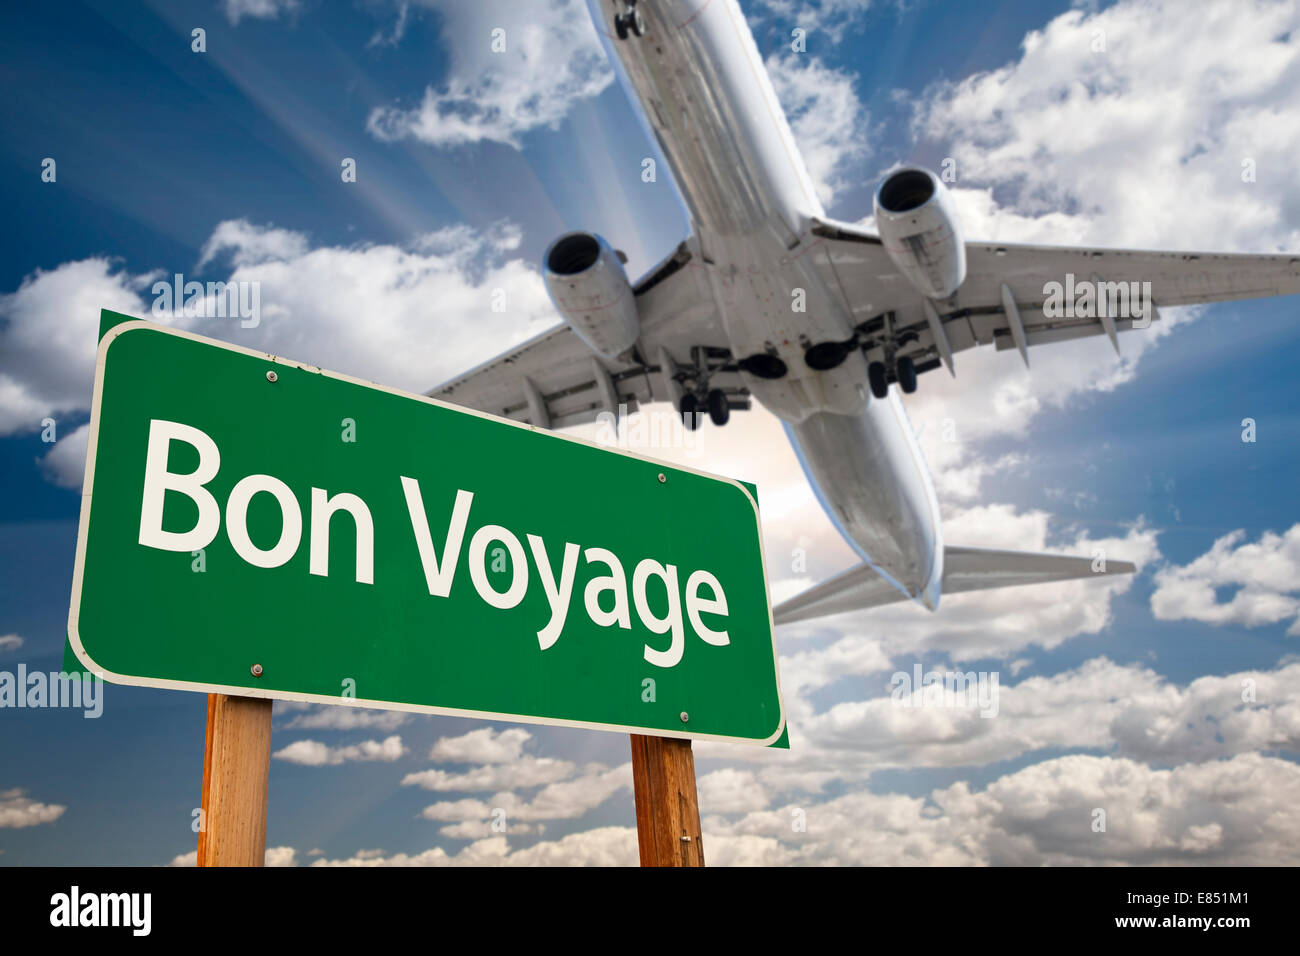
(226, 163)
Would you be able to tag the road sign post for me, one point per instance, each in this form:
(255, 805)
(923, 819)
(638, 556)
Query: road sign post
(236, 768)
(256, 528)
(667, 804)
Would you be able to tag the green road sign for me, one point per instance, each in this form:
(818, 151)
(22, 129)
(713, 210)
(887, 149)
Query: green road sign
(255, 526)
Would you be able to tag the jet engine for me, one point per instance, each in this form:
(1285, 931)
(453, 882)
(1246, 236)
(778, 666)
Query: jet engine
(585, 279)
(918, 226)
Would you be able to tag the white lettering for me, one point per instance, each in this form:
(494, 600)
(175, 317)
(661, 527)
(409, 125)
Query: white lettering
(158, 481)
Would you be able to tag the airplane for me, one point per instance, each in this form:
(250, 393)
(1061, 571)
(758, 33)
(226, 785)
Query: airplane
(822, 322)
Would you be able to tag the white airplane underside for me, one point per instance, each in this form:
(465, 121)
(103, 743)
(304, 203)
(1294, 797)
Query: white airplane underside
(770, 300)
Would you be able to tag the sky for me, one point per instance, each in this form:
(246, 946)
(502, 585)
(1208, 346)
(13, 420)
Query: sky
(1166, 700)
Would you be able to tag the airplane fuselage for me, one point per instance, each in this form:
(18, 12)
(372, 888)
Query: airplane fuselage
(706, 96)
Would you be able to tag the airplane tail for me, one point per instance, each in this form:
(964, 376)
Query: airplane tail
(964, 569)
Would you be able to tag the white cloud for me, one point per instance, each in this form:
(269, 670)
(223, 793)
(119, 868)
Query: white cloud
(312, 753)
(250, 245)
(257, 9)
(1265, 576)
(565, 800)
(47, 342)
(731, 791)
(552, 58)
(1142, 143)
(399, 27)
(280, 856)
(523, 771)
(460, 810)
(604, 846)
(18, 811)
(348, 717)
(828, 121)
(1230, 812)
(10, 642)
(481, 746)
(485, 829)
(1099, 706)
(828, 17)
(65, 463)
(1227, 812)
(362, 310)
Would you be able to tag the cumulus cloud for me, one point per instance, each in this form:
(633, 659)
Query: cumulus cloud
(1231, 812)
(1101, 101)
(1228, 812)
(281, 856)
(565, 800)
(248, 244)
(731, 791)
(485, 745)
(347, 717)
(47, 342)
(10, 642)
(524, 771)
(828, 17)
(828, 121)
(18, 810)
(564, 791)
(485, 829)
(603, 846)
(552, 58)
(1264, 577)
(236, 10)
(312, 753)
(363, 310)
(65, 463)
(1101, 706)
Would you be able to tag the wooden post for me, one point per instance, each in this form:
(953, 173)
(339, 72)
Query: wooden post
(667, 806)
(236, 764)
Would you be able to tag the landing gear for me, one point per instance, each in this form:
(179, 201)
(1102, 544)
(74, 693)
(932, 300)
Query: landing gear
(876, 378)
(715, 402)
(629, 23)
(690, 411)
(905, 374)
(690, 383)
(719, 407)
(880, 337)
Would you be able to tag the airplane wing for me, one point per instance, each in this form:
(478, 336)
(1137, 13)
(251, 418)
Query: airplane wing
(964, 569)
(554, 380)
(982, 313)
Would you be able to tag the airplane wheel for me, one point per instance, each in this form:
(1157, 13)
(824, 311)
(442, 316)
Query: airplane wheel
(689, 407)
(636, 22)
(906, 372)
(876, 378)
(719, 407)
(620, 26)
